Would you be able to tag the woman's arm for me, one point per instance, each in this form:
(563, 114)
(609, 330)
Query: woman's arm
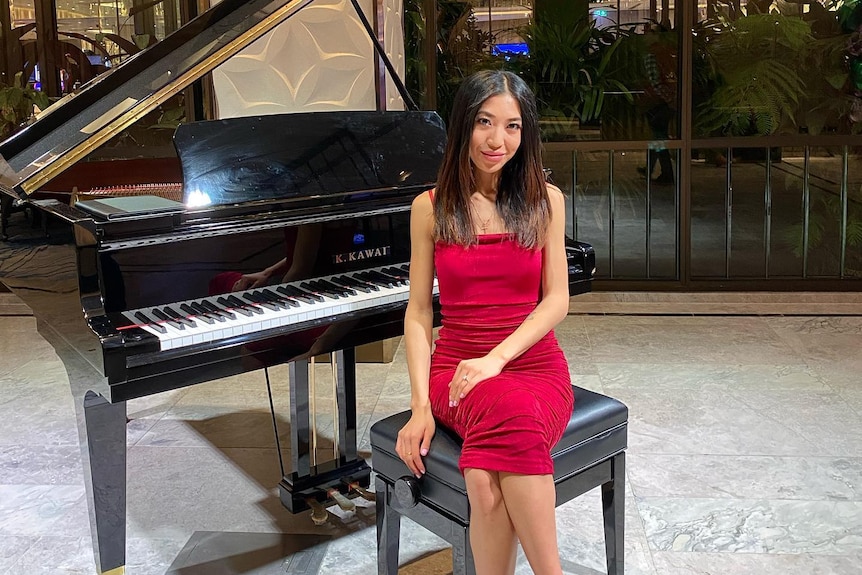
(547, 314)
(415, 438)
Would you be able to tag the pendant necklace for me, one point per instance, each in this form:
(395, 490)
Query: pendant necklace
(484, 224)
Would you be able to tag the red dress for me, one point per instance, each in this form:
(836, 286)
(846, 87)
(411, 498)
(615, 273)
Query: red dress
(509, 422)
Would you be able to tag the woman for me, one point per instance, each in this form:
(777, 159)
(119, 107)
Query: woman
(494, 232)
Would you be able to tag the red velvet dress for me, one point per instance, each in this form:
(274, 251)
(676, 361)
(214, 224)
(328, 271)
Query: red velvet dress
(509, 422)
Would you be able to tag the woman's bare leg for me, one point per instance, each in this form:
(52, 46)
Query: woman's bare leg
(492, 536)
(530, 501)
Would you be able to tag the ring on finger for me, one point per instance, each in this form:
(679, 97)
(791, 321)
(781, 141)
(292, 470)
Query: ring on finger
(464, 378)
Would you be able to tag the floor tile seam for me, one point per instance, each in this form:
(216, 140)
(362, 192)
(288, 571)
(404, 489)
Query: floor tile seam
(809, 554)
(643, 527)
(210, 446)
(722, 500)
(33, 539)
(739, 455)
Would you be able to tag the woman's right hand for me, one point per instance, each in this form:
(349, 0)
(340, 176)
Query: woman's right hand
(414, 439)
(249, 281)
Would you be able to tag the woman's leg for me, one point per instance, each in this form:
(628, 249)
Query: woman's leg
(492, 537)
(530, 501)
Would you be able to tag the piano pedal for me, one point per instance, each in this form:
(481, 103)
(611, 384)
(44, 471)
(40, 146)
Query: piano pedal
(342, 501)
(319, 514)
(363, 493)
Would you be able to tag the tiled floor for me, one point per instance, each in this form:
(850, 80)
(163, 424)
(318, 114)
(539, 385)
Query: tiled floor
(745, 450)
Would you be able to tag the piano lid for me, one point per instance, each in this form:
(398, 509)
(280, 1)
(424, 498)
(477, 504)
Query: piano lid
(315, 154)
(79, 123)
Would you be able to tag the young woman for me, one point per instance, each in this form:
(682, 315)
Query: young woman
(494, 232)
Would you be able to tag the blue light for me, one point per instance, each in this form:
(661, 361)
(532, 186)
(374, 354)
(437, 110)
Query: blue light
(601, 13)
(511, 48)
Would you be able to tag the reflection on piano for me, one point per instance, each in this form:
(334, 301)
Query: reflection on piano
(328, 193)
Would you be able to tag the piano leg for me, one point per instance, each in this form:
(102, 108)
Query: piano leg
(305, 481)
(102, 431)
(300, 428)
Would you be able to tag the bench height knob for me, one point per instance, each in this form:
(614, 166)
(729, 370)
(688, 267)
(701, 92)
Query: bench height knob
(407, 491)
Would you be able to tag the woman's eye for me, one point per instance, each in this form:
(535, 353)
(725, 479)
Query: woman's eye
(514, 126)
(484, 121)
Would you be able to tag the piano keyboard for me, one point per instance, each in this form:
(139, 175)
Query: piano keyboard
(218, 317)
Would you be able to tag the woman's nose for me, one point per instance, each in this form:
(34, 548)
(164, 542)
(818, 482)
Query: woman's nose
(495, 140)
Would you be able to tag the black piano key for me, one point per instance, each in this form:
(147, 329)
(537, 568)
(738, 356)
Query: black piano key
(333, 287)
(241, 309)
(295, 294)
(369, 277)
(305, 292)
(145, 320)
(205, 312)
(390, 281)
(315, 287)
(238, 304)
(256, 300)
(355, 283)
(178, 316)
(396, 273)
(270, 297)
(399, 280)
(162, 316)
(201, 316)
(275, 297)
(215, 309)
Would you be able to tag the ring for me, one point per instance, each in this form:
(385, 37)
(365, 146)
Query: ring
(409, 453)
(464, 378)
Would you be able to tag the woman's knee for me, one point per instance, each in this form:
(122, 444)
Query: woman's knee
(483, 490)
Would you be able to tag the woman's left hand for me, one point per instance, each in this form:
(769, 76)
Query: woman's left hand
(471, 372)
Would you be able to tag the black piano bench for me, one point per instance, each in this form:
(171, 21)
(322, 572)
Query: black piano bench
(591, 453)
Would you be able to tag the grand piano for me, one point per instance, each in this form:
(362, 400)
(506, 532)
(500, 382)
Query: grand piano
(142, 295)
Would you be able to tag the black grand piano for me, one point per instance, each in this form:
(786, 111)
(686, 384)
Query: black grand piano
(141, 295)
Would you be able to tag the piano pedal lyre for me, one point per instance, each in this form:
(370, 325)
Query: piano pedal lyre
(319, 514)
(362, 492)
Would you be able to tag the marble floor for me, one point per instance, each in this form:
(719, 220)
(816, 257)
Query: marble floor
(745, 454)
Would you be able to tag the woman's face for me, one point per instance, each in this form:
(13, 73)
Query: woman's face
(496, 134)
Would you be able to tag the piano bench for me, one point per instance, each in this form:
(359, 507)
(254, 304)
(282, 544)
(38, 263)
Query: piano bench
(591, 453)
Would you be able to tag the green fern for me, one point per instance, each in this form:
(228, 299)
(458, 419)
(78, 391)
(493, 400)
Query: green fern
(758, 84)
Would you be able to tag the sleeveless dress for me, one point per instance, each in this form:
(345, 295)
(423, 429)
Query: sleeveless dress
(510, 422)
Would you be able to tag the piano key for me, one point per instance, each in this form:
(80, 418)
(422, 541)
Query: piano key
(197, 315)
(249, 312)
(178, 316)
(215, 309)
(224, 305)
(145, 320)
(275, 297)
(295, 294)
(238, 303)
(206, 312)
(259, 301)
(167, 320)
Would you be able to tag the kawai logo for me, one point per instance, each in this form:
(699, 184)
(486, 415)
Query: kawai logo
(358, 255)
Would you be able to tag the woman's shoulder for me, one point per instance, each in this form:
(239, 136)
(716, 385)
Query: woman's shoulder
(425, 200)
(555, 195)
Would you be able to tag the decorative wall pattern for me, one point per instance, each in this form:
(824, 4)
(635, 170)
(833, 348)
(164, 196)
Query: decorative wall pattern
(320, 59)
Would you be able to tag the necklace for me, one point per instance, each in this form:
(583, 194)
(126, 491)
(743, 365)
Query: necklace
(484, 224)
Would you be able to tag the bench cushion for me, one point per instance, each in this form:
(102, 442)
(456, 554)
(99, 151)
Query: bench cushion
(596, 431)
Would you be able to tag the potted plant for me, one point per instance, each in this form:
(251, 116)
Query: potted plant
(16, 106)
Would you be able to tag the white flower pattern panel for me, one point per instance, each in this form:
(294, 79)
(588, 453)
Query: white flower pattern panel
(320, 59)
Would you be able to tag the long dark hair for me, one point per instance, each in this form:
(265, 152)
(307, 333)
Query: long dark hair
(522, 198)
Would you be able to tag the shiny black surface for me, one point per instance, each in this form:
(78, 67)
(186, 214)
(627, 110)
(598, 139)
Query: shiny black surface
(591, 453)
(347, 155)
(80, 122)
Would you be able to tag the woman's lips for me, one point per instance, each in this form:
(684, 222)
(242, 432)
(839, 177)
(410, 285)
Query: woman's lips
(493, 157)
